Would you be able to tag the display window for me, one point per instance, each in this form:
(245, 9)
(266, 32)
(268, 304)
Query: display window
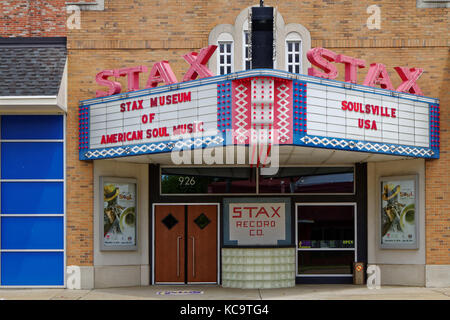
(326, 239)
(309, 180)
(208, 180)
(245, 180)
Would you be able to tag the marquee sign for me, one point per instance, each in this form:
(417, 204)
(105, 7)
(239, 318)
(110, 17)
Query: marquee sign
(349, 114)
(153, 118)
(234, 109)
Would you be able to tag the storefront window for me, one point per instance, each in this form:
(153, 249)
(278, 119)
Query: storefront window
(326, 226)
(208, 180)
(325, 238)
(325, 262)
(309, 180)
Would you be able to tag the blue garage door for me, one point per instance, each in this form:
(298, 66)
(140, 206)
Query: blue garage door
(32, 200)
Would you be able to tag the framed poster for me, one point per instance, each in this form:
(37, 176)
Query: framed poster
(118, 207)
(399, 212)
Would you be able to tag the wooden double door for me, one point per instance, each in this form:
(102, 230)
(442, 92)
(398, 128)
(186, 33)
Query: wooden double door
(185, 243)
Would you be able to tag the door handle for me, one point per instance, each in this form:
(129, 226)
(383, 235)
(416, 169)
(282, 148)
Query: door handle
(193, 256)
(178, 255)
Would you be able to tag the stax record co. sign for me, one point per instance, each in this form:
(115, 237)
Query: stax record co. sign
(161, 72)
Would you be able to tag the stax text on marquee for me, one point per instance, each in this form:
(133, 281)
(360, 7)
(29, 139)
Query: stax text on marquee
(159, 101)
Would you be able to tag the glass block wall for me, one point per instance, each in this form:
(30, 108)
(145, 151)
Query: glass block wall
(259, 268)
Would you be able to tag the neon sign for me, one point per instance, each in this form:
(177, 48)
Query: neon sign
(377, 74)
(321, 58)
(161, 72)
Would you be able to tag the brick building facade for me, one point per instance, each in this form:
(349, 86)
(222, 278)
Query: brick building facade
(123, 33)
(33, 18)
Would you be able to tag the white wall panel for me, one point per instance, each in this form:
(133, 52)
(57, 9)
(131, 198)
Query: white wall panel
(321, 118)
(114, 124)
(315, 92)
(317, 110)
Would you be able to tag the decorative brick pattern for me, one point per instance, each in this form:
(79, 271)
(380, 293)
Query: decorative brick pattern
(37, 18)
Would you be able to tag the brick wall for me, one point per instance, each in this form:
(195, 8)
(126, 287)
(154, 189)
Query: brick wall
(32, 18)
(130, 33)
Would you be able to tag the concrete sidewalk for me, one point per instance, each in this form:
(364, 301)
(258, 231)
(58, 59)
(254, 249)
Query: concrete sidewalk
(299, 292)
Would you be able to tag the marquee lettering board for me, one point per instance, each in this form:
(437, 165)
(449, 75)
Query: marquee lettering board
(232, 109)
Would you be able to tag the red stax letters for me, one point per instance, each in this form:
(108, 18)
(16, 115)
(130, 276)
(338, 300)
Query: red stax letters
(321, 58)
(132, 75)
(275, 212)
(262, 211)
(238, 212)
(378, 75)
(198, 63)
(351, 67)
(102, 79)
(409, 77)
(161, 73)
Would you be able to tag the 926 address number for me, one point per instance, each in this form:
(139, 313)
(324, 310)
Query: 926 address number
(187, 181)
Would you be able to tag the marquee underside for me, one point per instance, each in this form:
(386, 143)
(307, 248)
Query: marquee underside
(288, 155)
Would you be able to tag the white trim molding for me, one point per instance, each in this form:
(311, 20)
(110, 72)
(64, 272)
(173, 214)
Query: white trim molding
(220, 33)
(236, 32)
(37, 104)
(61, 98)
(433, 4)
(298, 32)
(30, 104)
(98, 5)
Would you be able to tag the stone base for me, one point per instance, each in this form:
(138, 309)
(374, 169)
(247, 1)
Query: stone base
(80, 278)
(259, 268)
(432, 276)
(402, 274)
(437, 276)
(91, 277)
